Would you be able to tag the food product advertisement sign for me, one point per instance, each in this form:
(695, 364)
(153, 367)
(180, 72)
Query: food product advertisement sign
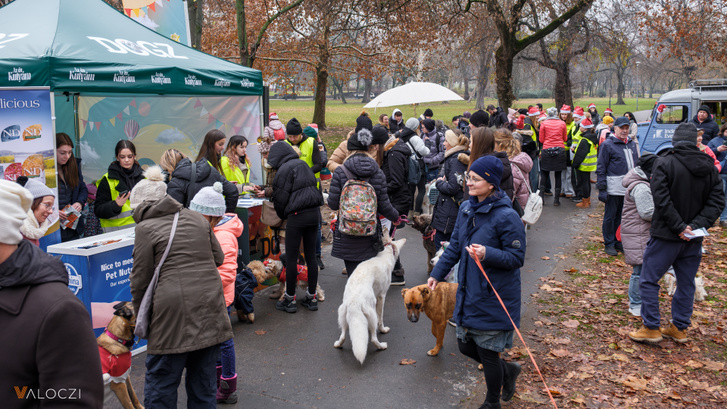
(27, 139)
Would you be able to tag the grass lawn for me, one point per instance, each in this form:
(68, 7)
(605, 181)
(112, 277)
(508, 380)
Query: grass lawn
(341, 118)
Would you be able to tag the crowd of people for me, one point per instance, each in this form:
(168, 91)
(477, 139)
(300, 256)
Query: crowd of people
(478, 174)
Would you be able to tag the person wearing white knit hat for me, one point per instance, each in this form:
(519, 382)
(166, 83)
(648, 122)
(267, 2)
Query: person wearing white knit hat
(34, 293)
(152, 187)
(36, 224)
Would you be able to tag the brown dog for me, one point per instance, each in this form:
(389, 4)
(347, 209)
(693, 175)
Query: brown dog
(423, 223)
(261, 272)
(116, 341)
(438, 305)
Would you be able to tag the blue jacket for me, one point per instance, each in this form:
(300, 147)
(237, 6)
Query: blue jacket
(721, 156)
(496, 226)
(615, 160)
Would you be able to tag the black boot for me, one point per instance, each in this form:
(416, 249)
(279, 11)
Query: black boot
(490, 405)
(512, 370)
(556, 197)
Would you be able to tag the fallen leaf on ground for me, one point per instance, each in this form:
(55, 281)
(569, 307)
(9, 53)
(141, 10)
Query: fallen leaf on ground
(560, 353)
(571, 324)
(714, 366)
(545, 258)
(694, 364)
(261, 332)
(407, 361)
(635, 383)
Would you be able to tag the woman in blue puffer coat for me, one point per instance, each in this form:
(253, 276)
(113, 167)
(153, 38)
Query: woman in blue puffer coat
(487, 228)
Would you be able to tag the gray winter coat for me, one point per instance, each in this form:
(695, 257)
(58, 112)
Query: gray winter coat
(636, 217)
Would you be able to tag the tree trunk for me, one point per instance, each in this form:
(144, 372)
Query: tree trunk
(196, 20)
(367, 90)
(483, 74)
(319, 110)
(620, 88)
(504, 57)
(562, 91)
(245, 58)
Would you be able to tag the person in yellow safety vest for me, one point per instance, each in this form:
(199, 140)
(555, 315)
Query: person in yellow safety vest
(212, 148)
(584, 162)
(307, 144)
(113, 189)
(235, 166)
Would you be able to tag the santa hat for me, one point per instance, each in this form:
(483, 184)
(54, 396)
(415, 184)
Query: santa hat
(520, 123)
(314, 126)
(592, 105)
(565, 109)
(533, 111)
(578, 112)
(586, 124)
(543, 116)
(608, 111)
(273, 116)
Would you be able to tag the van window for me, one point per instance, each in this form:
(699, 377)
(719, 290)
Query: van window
(672, 114)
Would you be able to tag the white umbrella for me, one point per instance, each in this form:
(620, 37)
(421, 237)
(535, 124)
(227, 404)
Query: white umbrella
(413, 93)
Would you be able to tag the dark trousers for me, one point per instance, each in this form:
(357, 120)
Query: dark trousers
(164, 372)
(492, 365)
(439, 237)
(351, 266)
(545, 180)
(301, 226)
(685, 257)
(611, 220)
(583, 184)
(417, 193)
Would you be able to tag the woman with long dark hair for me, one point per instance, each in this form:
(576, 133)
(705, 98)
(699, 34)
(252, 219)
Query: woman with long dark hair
(235, 166)
(482, 143)
(112, 205)
(71, 188)
(212, 148)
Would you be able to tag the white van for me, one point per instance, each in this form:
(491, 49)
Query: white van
(681, 106)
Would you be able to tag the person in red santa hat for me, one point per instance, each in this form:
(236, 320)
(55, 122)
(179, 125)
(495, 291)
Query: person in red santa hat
(585, 161)
(608, 112)
(595, 117)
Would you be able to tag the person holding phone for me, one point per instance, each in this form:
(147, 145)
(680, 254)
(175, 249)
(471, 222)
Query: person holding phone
(112, 195)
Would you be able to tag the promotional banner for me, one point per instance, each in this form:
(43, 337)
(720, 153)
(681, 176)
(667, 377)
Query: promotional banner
(27, 142)
(166, 17)
(157, 123)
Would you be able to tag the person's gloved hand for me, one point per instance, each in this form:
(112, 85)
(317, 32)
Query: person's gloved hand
(602, 195)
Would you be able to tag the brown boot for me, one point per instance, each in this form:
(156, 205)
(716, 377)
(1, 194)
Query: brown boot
(585, 203)
(646, 335)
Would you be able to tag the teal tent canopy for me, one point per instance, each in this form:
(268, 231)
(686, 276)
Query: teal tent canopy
(88, 46)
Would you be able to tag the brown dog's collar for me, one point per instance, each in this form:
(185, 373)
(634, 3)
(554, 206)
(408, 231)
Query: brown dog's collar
(125, 342)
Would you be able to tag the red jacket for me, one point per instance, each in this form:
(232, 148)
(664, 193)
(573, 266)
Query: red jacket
(227, 234)
(553, 133)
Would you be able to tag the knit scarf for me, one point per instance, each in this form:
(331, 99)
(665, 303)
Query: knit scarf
(453, 150)
(31, 229)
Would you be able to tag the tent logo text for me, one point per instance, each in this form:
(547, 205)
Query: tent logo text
(124, 77)
(142, 48)
(159, 78)
(246, 83)
(75, 281)
(222, 83)
(79, 74)
(192, 80)
(10, 37)
(19, 75)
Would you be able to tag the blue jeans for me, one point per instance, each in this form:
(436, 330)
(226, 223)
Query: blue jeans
(634, 293)
(685, 257)
(534, 174)
(164, 372)
(432, 174)
(723, 216)
(612, 219)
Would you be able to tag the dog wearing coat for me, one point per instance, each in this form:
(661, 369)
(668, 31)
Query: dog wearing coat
(114, 347)
(361, 313)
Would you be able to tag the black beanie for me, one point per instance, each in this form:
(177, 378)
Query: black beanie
(428, 113)
(685, 132)
(363, 122)
(380, 135)
(293, 127)
(360, 141)
(705, 109)
(429, 124)
(646, 163)
(480, 118)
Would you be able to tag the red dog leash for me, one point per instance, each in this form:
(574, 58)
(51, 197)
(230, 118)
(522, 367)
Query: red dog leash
(518, 331)
(430, 236)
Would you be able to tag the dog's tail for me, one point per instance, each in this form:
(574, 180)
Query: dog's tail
(358, 328)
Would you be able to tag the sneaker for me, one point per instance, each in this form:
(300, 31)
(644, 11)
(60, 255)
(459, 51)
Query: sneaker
(611, 251)
(646, 335)
(509, 379)
(674, 333)
(287, 304)
(321, 266)
(310, 302)
(397, 277)
(548, 193)
(635, 311)
(490, 405)
(451, 322)
(576, 199)
(723, 223)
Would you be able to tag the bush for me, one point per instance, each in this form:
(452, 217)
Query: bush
(537, 93)
(601, 93)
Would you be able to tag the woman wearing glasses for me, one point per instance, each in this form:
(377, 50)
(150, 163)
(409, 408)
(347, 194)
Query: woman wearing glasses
(487, 229)
(36, 224)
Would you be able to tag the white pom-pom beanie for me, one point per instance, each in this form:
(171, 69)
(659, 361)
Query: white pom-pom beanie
(151, 188)
(209, 201)
(15, 201)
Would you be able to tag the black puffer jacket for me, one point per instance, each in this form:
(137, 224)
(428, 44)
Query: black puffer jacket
(294, 187)
(106, 207)
(396, 169)
(499, 118)
(178, 187)
(355, 248)
(49, 342)
(711, 129)
(451, 191)
(684, 169)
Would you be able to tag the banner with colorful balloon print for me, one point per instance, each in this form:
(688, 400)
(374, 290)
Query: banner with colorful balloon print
(168, 18)
(157, 123)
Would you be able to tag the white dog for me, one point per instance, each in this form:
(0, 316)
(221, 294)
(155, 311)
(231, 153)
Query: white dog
(671, 285)
(362, 310)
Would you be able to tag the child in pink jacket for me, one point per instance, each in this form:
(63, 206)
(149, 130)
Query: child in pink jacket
(227, 227)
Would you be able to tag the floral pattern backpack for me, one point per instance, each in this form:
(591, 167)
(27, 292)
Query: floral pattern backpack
(357, 213)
